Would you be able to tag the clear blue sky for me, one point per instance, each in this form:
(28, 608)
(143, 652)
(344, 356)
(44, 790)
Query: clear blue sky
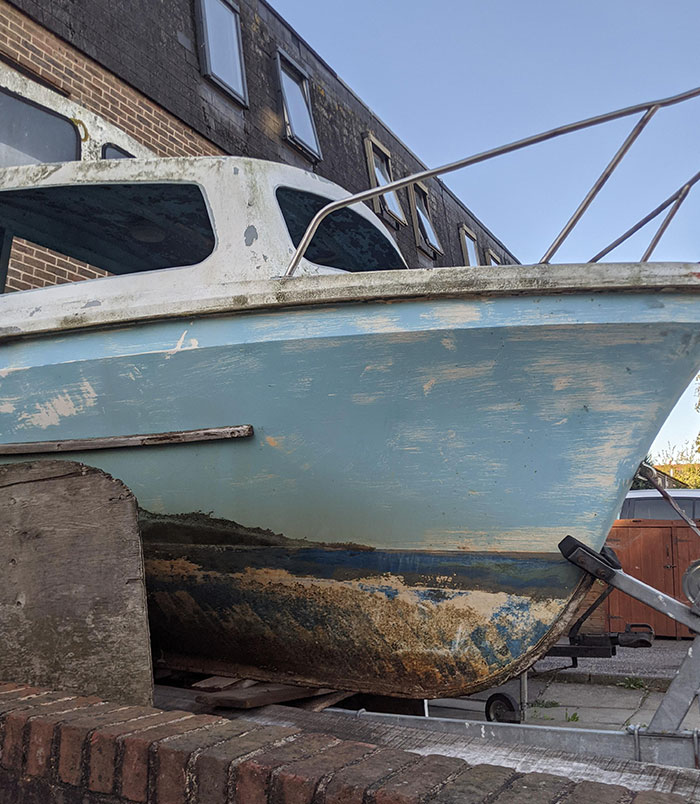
(454, 77)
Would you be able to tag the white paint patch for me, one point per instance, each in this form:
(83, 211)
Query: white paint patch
(386, 366)
(449, 374)
(60, 407)
(178, 346)
(365, 399)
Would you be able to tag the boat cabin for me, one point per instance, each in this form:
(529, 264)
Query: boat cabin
(211, 218)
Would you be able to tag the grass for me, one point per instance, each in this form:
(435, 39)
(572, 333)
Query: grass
(632, 683)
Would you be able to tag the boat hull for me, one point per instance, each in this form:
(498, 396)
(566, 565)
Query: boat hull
(413, 469)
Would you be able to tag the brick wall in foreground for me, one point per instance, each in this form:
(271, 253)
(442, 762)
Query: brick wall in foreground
(59, 748)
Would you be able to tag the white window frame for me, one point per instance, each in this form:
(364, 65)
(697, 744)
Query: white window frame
(422, 238)
(287, 64)
(465, 233)
(240, 94)
(380, 204)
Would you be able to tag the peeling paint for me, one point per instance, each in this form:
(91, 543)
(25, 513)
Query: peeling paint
(63, 405)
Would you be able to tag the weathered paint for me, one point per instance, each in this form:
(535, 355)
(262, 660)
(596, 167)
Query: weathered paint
(385, 463)
(411, 623)
(528, 433)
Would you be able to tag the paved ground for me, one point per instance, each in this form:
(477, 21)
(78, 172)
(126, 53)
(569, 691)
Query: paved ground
(658, 662)
(600, 693)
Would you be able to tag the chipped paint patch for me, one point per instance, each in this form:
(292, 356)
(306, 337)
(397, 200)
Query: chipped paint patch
(7, 407)
(450, 374)
(366, 399)
(64, 405)
(375, 632)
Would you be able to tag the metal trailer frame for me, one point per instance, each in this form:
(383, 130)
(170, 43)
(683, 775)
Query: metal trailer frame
(662, 742)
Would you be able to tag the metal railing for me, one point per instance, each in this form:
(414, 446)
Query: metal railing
(648, 109)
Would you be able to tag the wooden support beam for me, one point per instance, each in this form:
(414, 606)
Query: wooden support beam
(122, 442)
(72, 591)
(259, 695)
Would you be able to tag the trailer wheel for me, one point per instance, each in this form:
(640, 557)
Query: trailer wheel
(502, 708)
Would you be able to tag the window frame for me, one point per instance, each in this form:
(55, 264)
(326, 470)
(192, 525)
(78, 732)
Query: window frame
(422, 241)
(379, 204)
(53, 113)
(492, 258)
(464, 233)
(106, 145)
(297, 72)
(205, 56)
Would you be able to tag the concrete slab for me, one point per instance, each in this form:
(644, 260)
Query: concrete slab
(585, 695)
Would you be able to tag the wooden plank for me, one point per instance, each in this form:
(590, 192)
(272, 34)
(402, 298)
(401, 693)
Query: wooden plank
(179, 698)
(72, 593)
(219, 683)
(122, 442)
(259, 695)
(321, 702)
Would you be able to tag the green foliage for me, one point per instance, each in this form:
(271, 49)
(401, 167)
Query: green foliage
(572, 718)
(632, 683)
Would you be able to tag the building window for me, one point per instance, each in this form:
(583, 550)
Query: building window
(110, 151)
(380, 174)
(426, 237)
(470, 251)
(221, 50)
(492, 258)
(296, 106)
(30, 134)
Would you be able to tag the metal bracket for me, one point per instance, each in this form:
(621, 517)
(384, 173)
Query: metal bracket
(684, 688)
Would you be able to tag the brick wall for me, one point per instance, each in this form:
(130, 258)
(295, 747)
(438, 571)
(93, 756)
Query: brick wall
(58, 748)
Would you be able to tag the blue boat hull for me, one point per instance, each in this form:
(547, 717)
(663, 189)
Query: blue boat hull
(413, 469)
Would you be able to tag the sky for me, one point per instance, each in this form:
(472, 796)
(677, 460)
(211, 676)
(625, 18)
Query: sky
(455, 77)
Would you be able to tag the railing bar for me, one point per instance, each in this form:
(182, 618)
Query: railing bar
(664, 224)
(643, 221)
(598, 185)
(399, 184)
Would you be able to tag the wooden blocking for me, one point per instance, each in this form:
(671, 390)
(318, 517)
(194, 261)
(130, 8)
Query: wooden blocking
(72, 594)
(259, 695)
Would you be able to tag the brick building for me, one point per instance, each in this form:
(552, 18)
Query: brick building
(203, 77)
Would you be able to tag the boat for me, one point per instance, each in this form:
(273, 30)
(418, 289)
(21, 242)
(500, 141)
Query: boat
(350, 475)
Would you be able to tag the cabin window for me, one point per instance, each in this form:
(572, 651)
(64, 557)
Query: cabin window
(426, 237)
(110, 151)
(121, 228)
(492, 258)
(296, 106)
(344, 240)
(221, 50)
(380, 174)
(467, 240)
(30, 134)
